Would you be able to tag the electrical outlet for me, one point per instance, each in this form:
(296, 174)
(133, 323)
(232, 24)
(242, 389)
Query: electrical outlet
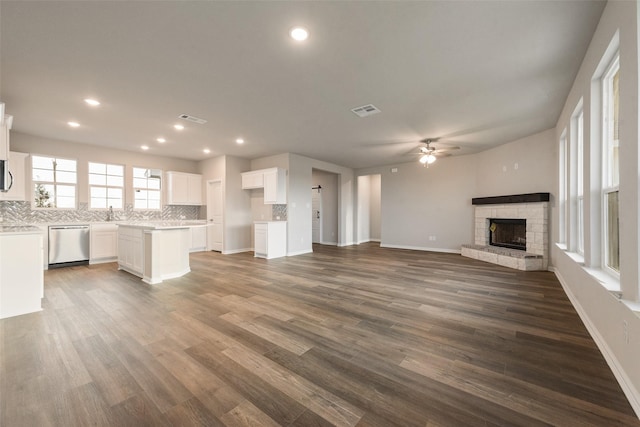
(625, 331)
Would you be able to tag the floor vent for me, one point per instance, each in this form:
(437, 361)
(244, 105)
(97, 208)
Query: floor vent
(365, 110)
(192, 119)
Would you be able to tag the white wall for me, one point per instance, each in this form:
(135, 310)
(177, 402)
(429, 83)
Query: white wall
(527, 165)
(329, 213)
(237, 223)
(375, 207)
(369, 208)
(418, 203)
(85, 153)
(364, 209)
(602, 312)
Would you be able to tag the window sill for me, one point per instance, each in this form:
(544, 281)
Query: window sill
(609, 282)
(632, 305)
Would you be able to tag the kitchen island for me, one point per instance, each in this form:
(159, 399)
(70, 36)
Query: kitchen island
(21, 272)
(154, 251)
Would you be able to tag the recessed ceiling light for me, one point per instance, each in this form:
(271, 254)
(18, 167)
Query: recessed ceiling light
(206, 151)
(161, 140)
(178, 127)
(299, 33)
(73, 124)
(92, 102)
(239, 141)
(144, 147)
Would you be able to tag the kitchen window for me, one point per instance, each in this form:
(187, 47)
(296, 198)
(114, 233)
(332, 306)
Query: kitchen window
(106, 186)
(54, 182)
(146, 188)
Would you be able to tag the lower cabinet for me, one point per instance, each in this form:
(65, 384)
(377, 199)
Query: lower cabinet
(270, 239)
(131, 249)
(21, 274)
(198, 238)
(104, 243)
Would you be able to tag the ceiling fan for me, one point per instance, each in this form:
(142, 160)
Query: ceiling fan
(428, 153)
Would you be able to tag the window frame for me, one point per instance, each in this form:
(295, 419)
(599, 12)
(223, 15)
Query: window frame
(106, 186)
(136, 189)
(609, 185)
(55, 183)
(563, 182)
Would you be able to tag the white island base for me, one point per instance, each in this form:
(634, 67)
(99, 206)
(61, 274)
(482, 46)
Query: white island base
(154, 252)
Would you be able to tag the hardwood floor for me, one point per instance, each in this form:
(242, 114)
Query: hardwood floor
(355, 336)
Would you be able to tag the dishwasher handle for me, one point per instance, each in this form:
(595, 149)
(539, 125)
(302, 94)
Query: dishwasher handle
(68, 227)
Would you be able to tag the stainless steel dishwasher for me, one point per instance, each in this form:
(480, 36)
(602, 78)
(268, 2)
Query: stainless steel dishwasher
(68, 245)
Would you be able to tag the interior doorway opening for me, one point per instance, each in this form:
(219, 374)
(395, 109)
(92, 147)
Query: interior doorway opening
(369, 214)
(324, 207)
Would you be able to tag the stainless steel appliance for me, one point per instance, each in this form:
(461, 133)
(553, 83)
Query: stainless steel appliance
(6, 179)
(68, 245)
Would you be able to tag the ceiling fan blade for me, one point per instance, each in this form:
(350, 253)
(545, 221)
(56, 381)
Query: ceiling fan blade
(446, 149)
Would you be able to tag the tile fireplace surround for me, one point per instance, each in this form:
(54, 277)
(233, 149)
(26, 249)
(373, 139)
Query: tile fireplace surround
(534, 208)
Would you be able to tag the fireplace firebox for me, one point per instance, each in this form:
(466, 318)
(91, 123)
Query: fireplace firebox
(508, 233)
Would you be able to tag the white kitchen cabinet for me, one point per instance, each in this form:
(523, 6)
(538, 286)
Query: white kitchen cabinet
(252, 179)
(21, 272)
(183, 188)
(274, 182)
(275, 186)
(104, 243)
(270, 239)
(131, 249)
(18, 168)
(198, 241)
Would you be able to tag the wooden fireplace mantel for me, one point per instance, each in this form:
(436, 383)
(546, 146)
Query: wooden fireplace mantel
(515, 198)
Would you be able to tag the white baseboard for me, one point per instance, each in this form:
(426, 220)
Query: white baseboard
(329, 243)
(346, 244)
(421, 248)
(237, 251)
(625, 383)
(306, 251)
(374, 240)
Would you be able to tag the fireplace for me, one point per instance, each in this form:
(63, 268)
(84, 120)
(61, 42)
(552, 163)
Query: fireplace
(508, 233)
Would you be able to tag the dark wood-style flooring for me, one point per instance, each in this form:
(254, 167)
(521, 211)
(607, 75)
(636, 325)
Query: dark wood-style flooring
(355, 336)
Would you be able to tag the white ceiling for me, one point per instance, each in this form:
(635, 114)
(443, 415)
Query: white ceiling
(477, 73)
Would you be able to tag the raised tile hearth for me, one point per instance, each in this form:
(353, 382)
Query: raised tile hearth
(534, 208)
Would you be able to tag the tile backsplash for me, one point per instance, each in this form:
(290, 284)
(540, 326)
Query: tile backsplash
(279, 211)
(21, 213)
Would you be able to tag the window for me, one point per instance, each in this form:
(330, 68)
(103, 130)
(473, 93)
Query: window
(562, 155)
(106, 184)
(610, 164)
(146, 188)
(54, 182)
(580, 180)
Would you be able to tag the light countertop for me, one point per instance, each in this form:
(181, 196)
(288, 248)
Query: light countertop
(161, 225)
(19, 229)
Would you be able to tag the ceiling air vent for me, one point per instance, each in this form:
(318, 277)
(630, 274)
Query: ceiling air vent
(192, 119)
(365, 110)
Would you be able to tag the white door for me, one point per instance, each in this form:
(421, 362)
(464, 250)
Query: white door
(316, 222)
(214, 215)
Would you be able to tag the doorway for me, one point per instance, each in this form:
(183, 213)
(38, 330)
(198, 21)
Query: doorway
(316, 209)
(324, 207)
(215, 216)
(369, 208)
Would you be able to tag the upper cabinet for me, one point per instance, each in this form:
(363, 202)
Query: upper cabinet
(183, 188)
(253, 179)
(18, 168)
(274, 182)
